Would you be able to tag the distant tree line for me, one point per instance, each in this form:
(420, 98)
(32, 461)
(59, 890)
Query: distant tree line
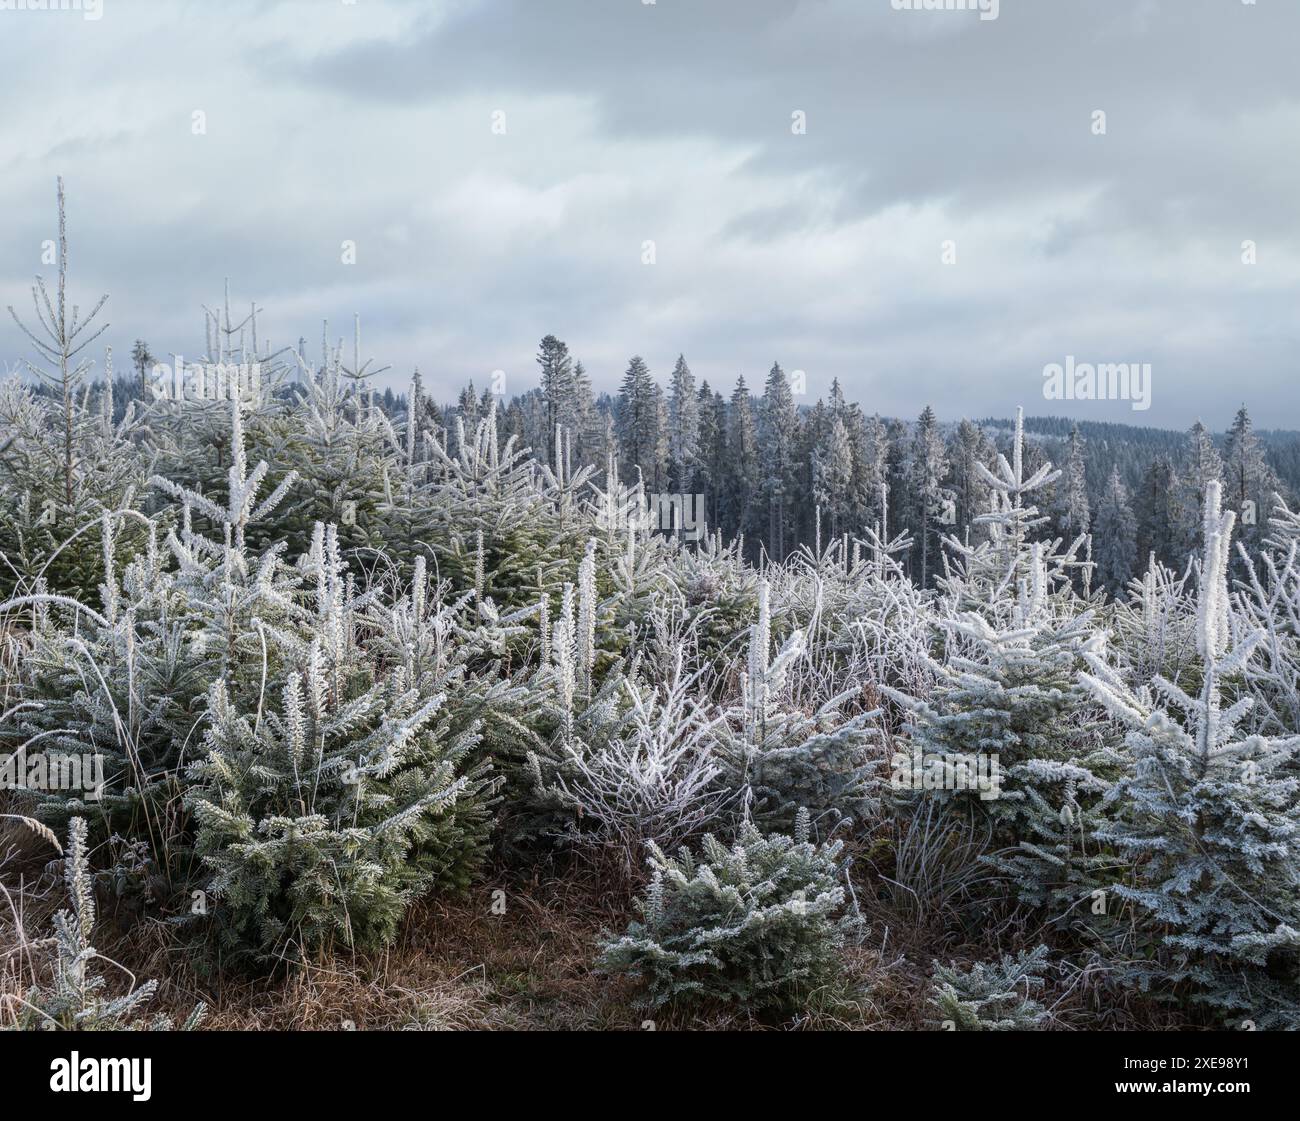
(784, 475)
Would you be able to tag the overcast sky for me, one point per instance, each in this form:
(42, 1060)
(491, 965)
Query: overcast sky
(672, 122)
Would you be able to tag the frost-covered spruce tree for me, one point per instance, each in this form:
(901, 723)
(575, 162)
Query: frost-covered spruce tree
(781, 758)
(991, 996)
(461, 645)
(987, 577)
(488, 515)
(122, 683)
(76, 998)
(717, 588)
(127, 681)
(760, 923)
(321, 817)
(1207, 816)
(1006, 693)
(346, 454)
(233, 592)
(487, 662)
(1075, 512)
(63, 461)
(187, 419)
(1248, 481)
(48, 541)
(1007, 734)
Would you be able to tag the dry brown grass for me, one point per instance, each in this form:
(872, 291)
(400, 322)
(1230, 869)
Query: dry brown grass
(29, 896)
(456, 965)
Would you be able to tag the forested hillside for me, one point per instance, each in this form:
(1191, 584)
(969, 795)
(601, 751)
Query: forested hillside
(775, 474)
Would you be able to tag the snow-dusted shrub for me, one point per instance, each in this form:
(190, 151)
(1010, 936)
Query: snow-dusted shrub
(1155, 630)
(636, 767)
(1209, 817)
(890, 627)
(1269, 604)
(122, 682)
(759, 923)
(320, 820)
(865, 626)
(782, 759)
(1007, 706)
(652, 779)
(64, 461)
(991, 996)
(75, 999)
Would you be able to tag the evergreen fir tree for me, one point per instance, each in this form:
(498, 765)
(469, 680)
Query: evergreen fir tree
(969, 447)
(1076, 516)
(589, 425)
(873, 472)
(992, 997)
(777, 434)
(662, 456)
(927, 468)
(1156, 511)
(782, 759)
(63, 467)
(1115, 536)
(683, 429)
(559, 391)
(1249, 484)
(1208, 816)
(832, 471)
(759, 923)
(638, 423)
(142, 360)
(321, 819)
(1007, 691)
(742, 487)
(711, 466)
(75, 1001)
(1202, 467)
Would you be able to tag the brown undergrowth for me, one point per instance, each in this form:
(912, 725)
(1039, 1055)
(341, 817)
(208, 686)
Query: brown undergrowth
(514, 954)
